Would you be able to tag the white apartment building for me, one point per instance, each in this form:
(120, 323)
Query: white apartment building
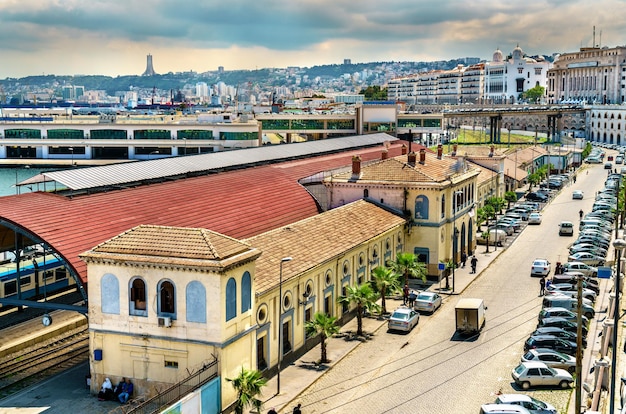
(499, 81)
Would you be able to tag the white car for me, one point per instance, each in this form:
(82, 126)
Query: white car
(577, 195)
(531, 404)
(540, 267)
(533, 374)
(427, 302)
(534, 218)
(580, 267)
(403, 319)
(587, 258)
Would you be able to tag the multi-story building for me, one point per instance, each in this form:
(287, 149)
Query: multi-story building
(594, 75)
(506, 80)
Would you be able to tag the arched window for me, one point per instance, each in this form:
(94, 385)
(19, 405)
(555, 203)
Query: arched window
(110, 294)
(246, 292)
(421, 207)
(443, 205)
(167, 299)
(195, 301)
(137, 305)
(231, 299)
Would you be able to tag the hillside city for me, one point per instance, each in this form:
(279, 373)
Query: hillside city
(216, 88)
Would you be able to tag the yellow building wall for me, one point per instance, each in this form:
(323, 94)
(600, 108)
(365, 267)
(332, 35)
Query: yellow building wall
(152, 356)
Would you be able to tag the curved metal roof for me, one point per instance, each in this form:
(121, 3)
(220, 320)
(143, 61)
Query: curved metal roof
(115, 175)
(238, 203)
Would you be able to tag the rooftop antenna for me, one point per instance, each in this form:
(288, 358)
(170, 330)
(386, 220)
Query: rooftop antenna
(594, 37)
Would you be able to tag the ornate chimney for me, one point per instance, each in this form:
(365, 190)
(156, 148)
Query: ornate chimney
(404, 149)
(412, 157)
(385, 154)
(356, 165)
(422, 156)
(439, 151)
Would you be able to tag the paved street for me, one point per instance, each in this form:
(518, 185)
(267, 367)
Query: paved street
(426, 370)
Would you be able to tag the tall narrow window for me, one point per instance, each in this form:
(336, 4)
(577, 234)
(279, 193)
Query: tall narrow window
(231, 299)
(246, 292)
(138, 297)
(167, 303)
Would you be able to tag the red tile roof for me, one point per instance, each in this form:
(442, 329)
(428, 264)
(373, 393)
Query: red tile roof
(239, 204)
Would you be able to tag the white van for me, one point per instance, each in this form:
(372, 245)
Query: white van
(566, 228)
(495, 236)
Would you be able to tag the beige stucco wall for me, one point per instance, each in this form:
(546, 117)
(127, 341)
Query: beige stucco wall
(325, 283)
(136, 347)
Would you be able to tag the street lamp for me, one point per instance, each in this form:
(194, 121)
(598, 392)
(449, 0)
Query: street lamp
(279, 326)
(618, 245)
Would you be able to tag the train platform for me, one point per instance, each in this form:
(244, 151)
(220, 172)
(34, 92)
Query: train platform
(34, 332)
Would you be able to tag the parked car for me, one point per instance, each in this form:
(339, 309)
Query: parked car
(587, 258)
(560, 313)
(578, 195)
(495, 236)
(532, 374)
(550, 342)
(572, 279)
(566, 289)
(559, 333)
(534, 218)
(562, 323)
(540, 267)
(580, 267)
(568, 302)
(502, 409)
(403, 319)
(536, 197)
(589, 248)
(507, 228)
(517, 226)
(533, 405)
(608, 166)
(428, 301)
(551, 358)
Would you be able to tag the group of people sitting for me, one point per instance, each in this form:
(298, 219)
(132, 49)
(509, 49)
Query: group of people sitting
(121, 392)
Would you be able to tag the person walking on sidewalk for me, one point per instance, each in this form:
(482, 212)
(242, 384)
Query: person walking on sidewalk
(542, 286)
(580, 213)
(297, 410)
(463, 258)
(405, 294)
(473, 263)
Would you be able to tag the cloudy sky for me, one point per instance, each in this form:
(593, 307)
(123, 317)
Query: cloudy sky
(113, 37)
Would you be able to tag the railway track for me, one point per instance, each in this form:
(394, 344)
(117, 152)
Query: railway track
(35, 364)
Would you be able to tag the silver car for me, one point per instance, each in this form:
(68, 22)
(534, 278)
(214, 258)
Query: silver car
(403, 319)
(533, 405)
(427, 302)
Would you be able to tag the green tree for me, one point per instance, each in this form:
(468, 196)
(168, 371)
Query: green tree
(325, 326)
(364, 297)
(496, 202)
(386, 281)
(407, 265)
(374, 93)
(248, 385)
(510, 197)
(535, 94)
(489, 212)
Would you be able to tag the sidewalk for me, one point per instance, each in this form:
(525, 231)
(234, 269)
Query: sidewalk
(298, 376)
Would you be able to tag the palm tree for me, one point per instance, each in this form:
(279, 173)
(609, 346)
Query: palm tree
(385, 280)
(365, 299)
(325, 326)
(248, 385)
(407, 265)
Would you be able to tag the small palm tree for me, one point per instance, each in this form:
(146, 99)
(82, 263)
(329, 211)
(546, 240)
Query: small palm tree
(407, 265)
(365, 299)
(386, 281)
(325, 326)
(248, 385)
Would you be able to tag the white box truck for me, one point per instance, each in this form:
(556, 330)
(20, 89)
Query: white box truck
(470, 315)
